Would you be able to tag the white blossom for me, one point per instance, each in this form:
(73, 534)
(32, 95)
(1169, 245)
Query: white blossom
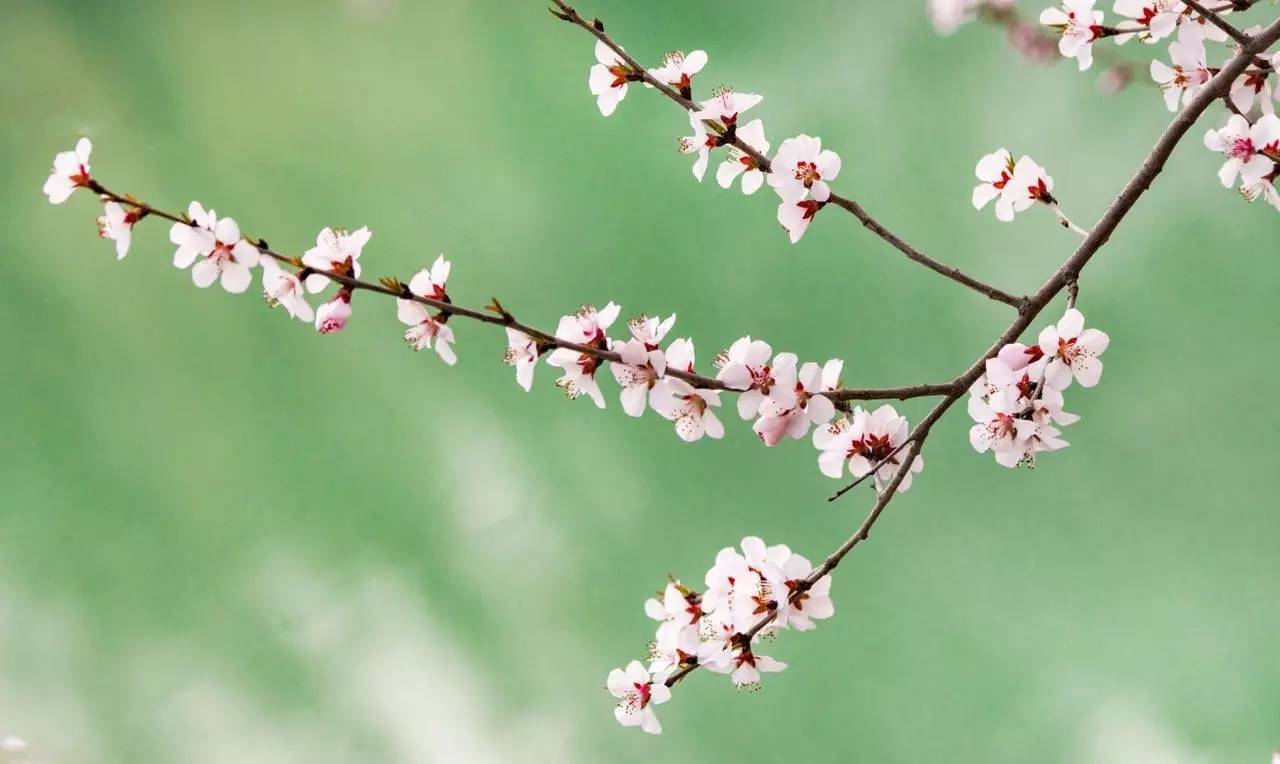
(336, 250)
(1072, 351)
(638, 692)
(70, 171)
(116, 224)
(586, 327)
(280, 287)
(608, 78)
(226, 256)
(1079, 25)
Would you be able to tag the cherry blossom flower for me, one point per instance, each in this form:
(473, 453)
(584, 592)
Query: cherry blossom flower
(643, 362)
(336, 250)
(70, 171)
(729, 568)
(673, 648)
(226, 255)
(1189, 72)
(701, 142)
(745, 366)
(737, 162)
(1072, 351)
(796, 400)
(1253, 86)
(1157, 18)
(726, 105)
(608, 79)
(280, 287)
(744, 665)
(995, 170)
(1243, 145)
(522, 353)
(426, 330)
(806, 603)
(116, 224)
(1048, 408)
(679, 608)
(586, 327)
(1017, 356)
(689, 407)
(802, 167)
(332, 316)
(1045, 437)
(1079, 24)
(864, 441)
(638, 692)
(677, 70)
(999, 428)
(1262, 187)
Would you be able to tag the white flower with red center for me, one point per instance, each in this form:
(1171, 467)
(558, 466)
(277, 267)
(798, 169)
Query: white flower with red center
(726, 105)
(1079, 25)
(1151, 20)
(689, 407)
(280, 287)
(227, 257)
(116, 224)
(586, 327)
(1253, 86)
(679, 608)
(701, 143)
(806, 603)
(884, 435)
(677, 70)
(1189, 73)
(1245, 147)
(744, 665)
(1018, 356)
(643, 362)
(999, 427)
(745, 366)
(522, 353)
(638, 692)
(70, 171)
(1072, 351)
(1030, 184)
(426, 330)
(729, 570)
(336, 250)
(672, 649)
(332, 316)
(737, 162)
(764, 593)
(800, 173)
(795, 400)
(608, 78)
(995, 170)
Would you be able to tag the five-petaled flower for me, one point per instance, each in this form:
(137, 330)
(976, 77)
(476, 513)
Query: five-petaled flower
(1079, 24)
(1189, 73)
(797, 398)
(608, 78)
(677, 70)
(116, 224)
(427, 330)
(801, 170)
(638, 692)
(586, 327)
(226, 255)
(1246, 147)
(867, 441)
(70, 171)
(522, 353)
(738, 162)
(1072, 351)
(336, 250)
(726, 105)
(745, 366)
(643, 362)
(280, 287)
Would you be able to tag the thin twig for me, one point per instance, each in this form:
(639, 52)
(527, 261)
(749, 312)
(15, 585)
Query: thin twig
(501, 317)
(596, 28)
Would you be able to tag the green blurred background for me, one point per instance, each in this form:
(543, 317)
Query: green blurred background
(224, 537)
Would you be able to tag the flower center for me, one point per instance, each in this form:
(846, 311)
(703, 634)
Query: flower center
(1241, 148)
(807, 173)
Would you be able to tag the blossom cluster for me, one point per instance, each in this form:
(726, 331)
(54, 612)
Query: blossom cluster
(1017, 403)
(748, 596)
(798, 173)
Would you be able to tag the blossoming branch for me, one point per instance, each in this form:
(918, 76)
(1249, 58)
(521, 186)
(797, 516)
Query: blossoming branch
(1015, 390)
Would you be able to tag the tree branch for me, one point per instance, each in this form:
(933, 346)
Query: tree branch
(596, 28)
(1064, 278)
(501, 317)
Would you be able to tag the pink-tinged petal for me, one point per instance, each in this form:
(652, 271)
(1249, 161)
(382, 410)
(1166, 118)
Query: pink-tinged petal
(227, 231)
(752, 181)
(246, 254)
(828, 164)
(712, 424)
(1094, 341)
(1071, 323)
(831, 463)
(1088, 371)
(983, 194)
(633, 399)
(1057, 375)
(411, 313)
(236, 277)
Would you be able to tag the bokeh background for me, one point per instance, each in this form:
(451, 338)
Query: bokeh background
(226, 538)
